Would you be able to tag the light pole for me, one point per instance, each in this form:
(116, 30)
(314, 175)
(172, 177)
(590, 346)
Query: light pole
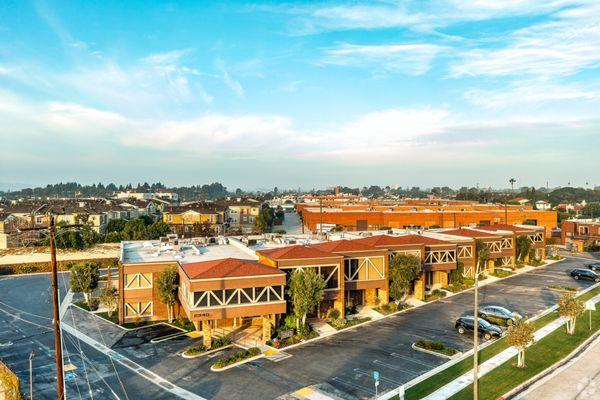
(31, 355)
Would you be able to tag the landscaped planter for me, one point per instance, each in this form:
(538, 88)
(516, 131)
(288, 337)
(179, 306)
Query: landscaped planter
(200, 350)
(444, 352)
(237, 359)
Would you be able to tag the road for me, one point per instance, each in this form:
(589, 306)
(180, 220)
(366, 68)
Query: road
(345, 361)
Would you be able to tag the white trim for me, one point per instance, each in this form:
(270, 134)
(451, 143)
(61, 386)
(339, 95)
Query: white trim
(238, 305)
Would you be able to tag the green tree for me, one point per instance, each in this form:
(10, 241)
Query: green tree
(109, 296)
(570, 308)
(167, 284)
(264, 220)
(483, 256)
(306, 291)
(135, 229)
(404, 268)
(116, 225)
(113, 237)
(520, 335)
(84, 278)
(157, 230)
(523, 246)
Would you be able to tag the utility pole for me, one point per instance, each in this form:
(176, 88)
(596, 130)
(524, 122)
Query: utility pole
(31, 374)
(60, 384)
(476, 336)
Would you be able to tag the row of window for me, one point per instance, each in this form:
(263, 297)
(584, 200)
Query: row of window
(224, 297)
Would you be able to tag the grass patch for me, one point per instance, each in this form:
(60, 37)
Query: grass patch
(440, 379)
(559, 288)
(502, 273)
(435, 295)
(237, 357)
(82, 304)
(437, 347)
(538, 357)
(340, 324)
(536, 263)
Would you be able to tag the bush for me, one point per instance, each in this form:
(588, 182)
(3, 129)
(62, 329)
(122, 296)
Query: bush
(192, 351)
(221, 342)
(438, 347)
(334, 314)
(435, 294)
(237, 357)
(94, 303)
(26, 269)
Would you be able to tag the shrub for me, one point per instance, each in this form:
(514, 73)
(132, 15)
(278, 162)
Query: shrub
(334, 314)
(94, 303)
(221, 342)
(26, 269)
(237, 357)
(192, 351)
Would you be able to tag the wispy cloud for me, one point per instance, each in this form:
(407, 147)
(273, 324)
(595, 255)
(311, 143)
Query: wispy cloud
(564, 46)
(411, 59)
(530, 93)
(231, 83)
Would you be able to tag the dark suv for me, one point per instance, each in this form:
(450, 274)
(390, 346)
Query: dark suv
(595, 266)
(580, 273)
(487, 330)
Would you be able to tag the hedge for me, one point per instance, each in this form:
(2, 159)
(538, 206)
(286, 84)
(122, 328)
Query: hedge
(29, 268)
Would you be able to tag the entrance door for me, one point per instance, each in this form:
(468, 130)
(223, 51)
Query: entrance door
(355, 298)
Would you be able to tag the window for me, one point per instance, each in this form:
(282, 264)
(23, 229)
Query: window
(584, 230)
(350, 268)
(333, 281)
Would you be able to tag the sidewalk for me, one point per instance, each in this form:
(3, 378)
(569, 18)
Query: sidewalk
(467, 379)
(579, 379)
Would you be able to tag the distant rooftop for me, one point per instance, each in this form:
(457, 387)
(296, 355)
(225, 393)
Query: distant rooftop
(184, 251)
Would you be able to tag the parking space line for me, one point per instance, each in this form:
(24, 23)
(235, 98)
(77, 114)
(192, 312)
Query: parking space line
(353, 385)
(396, 355)
(382, 378)
(396, 368)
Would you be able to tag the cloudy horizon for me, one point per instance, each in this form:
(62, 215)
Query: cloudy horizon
(301, 94)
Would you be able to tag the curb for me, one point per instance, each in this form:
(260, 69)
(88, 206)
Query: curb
(552, 370)
(435, 353)
(206, 352)
(214, 369)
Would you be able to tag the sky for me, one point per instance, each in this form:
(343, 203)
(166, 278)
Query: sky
(300, 94)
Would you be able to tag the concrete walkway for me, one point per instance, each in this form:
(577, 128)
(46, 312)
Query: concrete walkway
(467, 379)
(577, 380)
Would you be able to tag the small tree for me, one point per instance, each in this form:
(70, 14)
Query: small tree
(109, 296)
(523, 246)
(306, 291)
(520, 335)
(570, 308)
(404, 268)
(84, 278)
(167, 284)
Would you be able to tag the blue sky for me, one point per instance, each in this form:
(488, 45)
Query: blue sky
(309, 94)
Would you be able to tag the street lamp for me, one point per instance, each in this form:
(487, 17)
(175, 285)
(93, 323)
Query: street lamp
(31, 355)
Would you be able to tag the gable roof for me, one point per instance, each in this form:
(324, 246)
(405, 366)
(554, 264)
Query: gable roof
(505, 227)
(386, 240)
(227, 268)
(469, 233)
(340, 246)
(296, 252)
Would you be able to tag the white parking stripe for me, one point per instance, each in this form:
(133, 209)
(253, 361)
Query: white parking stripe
(138, 369)
(353, 385)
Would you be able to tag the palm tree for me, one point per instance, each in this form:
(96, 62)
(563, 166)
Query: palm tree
(512, 184)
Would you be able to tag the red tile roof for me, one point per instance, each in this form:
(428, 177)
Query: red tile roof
(505, 227)
(468, 233)
(340, 246)
(295, 253)
(386, 240)
(227, 268)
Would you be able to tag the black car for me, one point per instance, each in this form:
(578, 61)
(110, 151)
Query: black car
(498, 315)
(580, 273)
(595, 266)
(487, 330)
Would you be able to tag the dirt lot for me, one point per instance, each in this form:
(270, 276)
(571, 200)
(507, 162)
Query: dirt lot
(25, 255)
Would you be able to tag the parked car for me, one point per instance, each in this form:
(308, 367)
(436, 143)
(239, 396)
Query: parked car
(587, 274)
(498, 315)
(595, 266)
(487, 330)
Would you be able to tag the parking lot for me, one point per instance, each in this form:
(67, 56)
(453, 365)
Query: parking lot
(345, 361)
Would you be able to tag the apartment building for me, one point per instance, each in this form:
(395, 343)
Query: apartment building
(7, 230)
(188, 220)
(241, 214)
(579, 234)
